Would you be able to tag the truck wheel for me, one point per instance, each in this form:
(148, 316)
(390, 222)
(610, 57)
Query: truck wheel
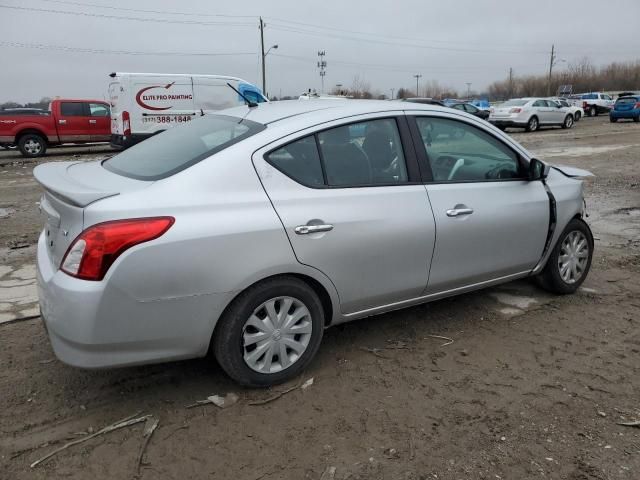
(568, 122)
(593, 111)
(32, 145)
(532, 124)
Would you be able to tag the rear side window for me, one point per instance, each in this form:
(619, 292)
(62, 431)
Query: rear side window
(180, 147)
(98, 110)
(300, 161)
(72, 109)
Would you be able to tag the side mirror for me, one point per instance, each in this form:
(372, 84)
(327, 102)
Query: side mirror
(538, 170)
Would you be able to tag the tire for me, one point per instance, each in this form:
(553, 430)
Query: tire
(234, 328)
(577, 116)
(532, 124)
(613, 120)
(501, 128)
(568, 122)
(32, 145)
(552, 277)
(636, 119)
(593, 111)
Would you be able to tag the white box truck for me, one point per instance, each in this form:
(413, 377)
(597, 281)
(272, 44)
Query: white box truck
(143, 104)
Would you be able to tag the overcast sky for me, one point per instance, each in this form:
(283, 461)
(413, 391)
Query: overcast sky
(385, 43)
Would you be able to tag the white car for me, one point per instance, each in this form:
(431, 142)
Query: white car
(530, 114)
(576, 111)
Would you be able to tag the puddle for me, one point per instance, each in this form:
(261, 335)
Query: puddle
(517, 301)
(578, 151)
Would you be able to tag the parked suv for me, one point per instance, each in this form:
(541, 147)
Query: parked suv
(530, 114)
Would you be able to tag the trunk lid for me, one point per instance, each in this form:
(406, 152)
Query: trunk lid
(68, 188)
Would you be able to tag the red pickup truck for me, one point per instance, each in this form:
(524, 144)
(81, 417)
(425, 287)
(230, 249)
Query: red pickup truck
(67, 121)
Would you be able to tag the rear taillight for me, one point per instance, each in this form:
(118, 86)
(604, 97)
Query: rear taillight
(584, 104)
(126, 124)
(637, 105)
(94, 251)
(515, 110)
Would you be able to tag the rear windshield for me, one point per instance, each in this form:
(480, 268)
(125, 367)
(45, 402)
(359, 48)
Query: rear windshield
(514, 103)
(626, 100)
(180, 147)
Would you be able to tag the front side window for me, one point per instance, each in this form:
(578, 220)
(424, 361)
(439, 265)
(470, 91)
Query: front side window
(98, 110)
(180, 147)
(459, 152)
(72, 109)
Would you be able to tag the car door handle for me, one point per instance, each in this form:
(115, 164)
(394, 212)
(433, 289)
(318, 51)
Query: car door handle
(306, 229)
(454, 212)
(62, 122)
(93, 121)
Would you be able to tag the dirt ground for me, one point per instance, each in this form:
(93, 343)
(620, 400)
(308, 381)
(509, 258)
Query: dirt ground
(533, 385)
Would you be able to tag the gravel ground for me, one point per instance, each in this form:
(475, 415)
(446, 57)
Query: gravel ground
(533, 385)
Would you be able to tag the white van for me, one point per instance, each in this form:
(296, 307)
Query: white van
(143, 104)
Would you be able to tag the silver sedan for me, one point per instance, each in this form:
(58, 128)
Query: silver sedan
(247, 233)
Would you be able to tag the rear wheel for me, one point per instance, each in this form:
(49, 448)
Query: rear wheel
(532, 124)
(613, 120)
(570, 260)
(270, 332)
(568, 122)
(32, 145)
(593, 111)
(500, 127)
(636, 119)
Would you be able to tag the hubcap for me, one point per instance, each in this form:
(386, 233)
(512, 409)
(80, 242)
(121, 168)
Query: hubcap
(534, 124)
(276, 334)
(32, 146)
(574, 254)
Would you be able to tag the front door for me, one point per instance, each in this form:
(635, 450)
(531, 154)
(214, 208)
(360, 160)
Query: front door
(73, 122)
(353, 207)
(490, 221)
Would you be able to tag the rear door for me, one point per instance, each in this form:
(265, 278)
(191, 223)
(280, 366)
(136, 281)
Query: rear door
(353, 206)
(73, 122)
(542, 111)
(100, 122)
(491, 222)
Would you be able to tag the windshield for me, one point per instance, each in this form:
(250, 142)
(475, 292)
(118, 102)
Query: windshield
(514, 103)
(178, 148)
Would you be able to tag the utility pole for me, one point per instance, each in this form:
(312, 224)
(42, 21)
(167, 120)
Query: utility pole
(510, 82)
(551, 62)
(392, 90)
(468, 89)
(322, 65)
(417, 76)
(264, 80)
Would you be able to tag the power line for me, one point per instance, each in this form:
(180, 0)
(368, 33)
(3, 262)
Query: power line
(137, 19)
(285, 28)
(63, 48)
(161, 12)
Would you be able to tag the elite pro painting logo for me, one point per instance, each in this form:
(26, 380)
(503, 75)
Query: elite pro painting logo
(142, 97)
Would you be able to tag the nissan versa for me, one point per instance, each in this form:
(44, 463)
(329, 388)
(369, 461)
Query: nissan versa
(247, 233)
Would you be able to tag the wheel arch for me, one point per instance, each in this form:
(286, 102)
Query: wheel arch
(32, 131)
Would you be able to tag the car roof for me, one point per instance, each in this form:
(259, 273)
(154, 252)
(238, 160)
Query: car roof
(318, 111)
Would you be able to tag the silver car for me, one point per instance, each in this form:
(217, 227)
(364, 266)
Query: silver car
(248, 232)
(531, 114)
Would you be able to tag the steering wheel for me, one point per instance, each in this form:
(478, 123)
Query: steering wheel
(456, 166)
(501, 171)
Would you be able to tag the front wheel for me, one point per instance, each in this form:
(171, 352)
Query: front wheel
(32, 145)
(577, 116)
(270, 332)
(570, 260)
(613, 120)
(568, 122)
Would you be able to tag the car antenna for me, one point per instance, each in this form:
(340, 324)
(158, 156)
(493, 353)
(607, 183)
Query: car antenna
(250, 104)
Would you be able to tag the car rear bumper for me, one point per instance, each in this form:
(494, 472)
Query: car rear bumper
(97, 324)
(505, 122)
(635, 113)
